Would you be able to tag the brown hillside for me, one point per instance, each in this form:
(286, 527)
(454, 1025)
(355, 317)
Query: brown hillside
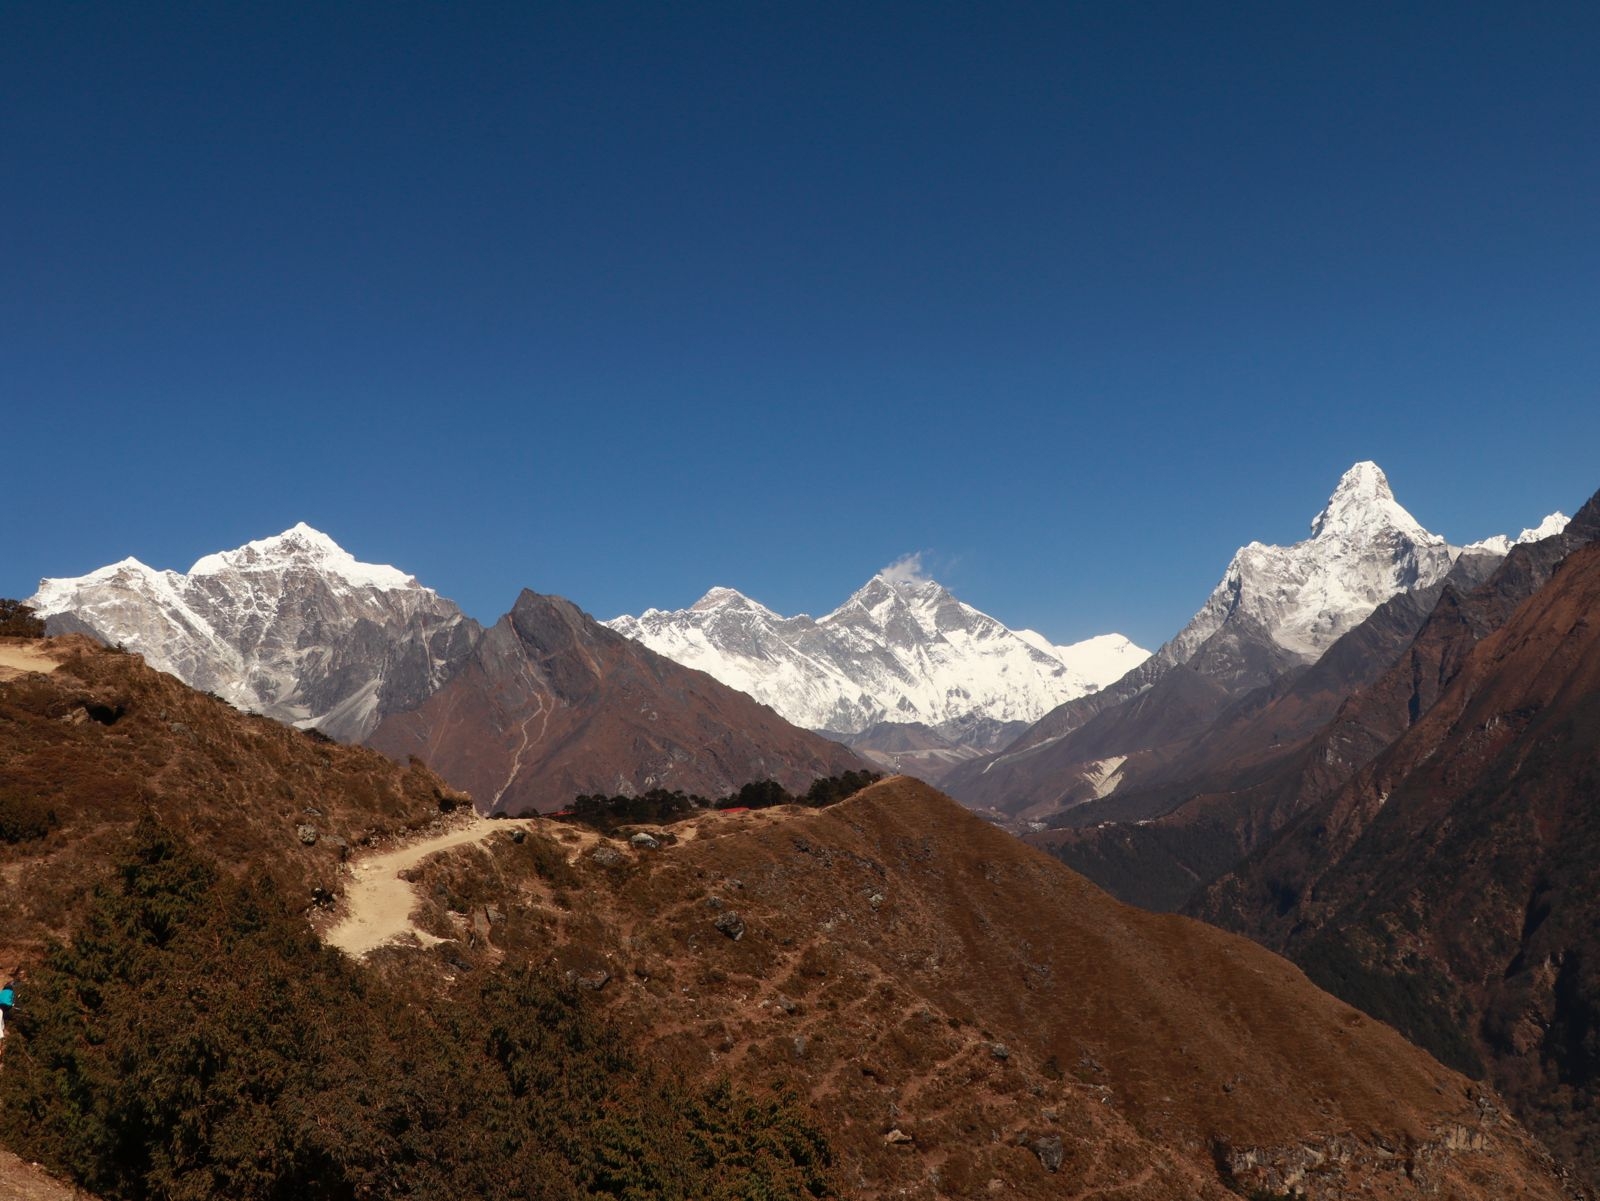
(974, 1019)
(89, 748)
(552, 705)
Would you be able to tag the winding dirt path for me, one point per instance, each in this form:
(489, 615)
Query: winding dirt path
(378, 903)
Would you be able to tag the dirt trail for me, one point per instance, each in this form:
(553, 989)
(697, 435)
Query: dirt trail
(17, 658)
(379, 903)
(22, 1181)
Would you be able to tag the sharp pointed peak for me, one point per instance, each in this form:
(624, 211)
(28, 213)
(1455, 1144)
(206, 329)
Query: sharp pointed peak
(1367, 476)
(1363, 501)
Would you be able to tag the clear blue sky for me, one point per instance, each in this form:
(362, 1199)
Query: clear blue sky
(621, 301)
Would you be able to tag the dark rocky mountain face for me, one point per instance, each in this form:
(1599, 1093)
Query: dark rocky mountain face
(551, 705)
(1451, 885)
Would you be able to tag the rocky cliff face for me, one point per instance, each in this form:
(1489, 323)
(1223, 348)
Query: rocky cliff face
(290, 626)
(551, 705)
(901, 650)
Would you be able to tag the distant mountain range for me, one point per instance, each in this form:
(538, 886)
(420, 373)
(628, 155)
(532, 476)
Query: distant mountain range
(296, 628)
(544, 706)
(901, 652)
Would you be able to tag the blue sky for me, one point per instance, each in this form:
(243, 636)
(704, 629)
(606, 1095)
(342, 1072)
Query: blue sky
(624, 301)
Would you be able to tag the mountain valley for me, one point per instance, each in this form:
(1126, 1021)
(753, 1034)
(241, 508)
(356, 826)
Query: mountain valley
(1369, 751)
(870, 983)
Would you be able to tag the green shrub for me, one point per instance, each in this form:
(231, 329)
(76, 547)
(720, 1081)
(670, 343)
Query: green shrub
(195, 1040)
(23, 820)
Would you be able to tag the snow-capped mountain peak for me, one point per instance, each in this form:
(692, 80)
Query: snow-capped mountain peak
(293, 626)
(727, 600)
(1362, 505)
(1501, 544)
(300, 546)
(1364, 548)
(1548, 528)
(902, 648)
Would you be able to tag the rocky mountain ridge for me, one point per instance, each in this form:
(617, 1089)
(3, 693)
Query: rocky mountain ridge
(291, 626)
(1275, 611)
(551, 705)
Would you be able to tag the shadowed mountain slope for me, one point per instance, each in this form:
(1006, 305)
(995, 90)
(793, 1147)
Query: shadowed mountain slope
(1451, 885)
(551, 705)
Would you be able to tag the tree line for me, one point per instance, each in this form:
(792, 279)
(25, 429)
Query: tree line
(660, 806)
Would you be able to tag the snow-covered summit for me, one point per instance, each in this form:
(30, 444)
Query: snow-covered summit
(293, 626)
(1364, 548)
(720, 599)
(1548, 528)
(1363, 504)
(900, 649)
(302, 546)
(1501, 544)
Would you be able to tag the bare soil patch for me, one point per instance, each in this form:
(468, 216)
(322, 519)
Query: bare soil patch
(379, 901)
(18, 657)
(23, 1181)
